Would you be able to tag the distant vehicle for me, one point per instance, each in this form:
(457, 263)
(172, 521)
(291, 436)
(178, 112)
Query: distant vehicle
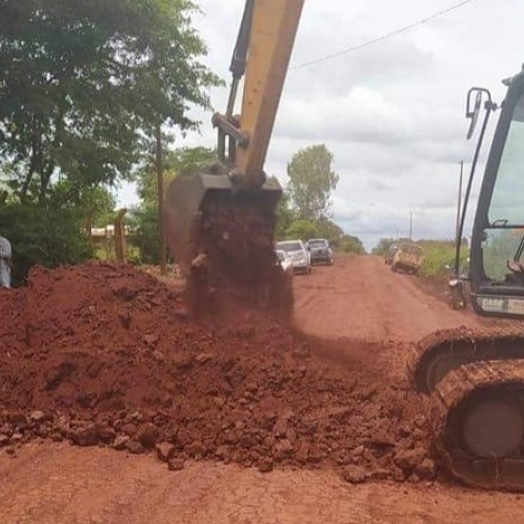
(285, 261)
(388, 257)
(319, 251)
(297, 252)
(408, 258)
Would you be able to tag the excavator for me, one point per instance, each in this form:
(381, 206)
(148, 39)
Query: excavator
(474, 379)
(220, 225)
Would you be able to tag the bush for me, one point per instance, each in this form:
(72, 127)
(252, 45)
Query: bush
(44, 236)
(144, 220)
(351, 244)
(439, 258)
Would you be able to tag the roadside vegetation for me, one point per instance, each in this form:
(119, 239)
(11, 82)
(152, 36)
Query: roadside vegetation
(85, 90)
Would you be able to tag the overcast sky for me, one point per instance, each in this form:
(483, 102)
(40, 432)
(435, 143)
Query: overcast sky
(392, 113)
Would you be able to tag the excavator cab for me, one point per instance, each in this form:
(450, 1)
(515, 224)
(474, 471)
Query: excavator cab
(214, 208)
(497, 244)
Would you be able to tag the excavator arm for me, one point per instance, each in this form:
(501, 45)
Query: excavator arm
(223, 217)
(262, 53)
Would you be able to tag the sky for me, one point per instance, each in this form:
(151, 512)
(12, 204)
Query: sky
(393, 113)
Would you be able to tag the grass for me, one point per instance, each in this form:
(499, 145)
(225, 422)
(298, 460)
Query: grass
(437, 255)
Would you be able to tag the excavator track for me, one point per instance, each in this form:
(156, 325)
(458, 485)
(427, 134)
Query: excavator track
(477, 416)
(474, 382)
(433, 357)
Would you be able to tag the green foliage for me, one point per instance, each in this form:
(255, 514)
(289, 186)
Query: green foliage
(42, 235)
(330, 231)
(84, 85)
(351, 244)
(94, 204)
(303, 230)
(182, 160)
(437, 255)
(285, 217)
(311, 180)
(144, 220)
(298, 228)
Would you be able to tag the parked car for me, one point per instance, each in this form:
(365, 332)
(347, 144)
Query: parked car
(285, 261)
(319, 251)
(388, 257)
(297, 252)
(408, 258)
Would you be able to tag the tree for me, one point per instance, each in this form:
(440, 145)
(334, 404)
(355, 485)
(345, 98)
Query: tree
(311, 181)
(145, 217)
(84, 85)
(47, 236)
(285, 217)
(351, 244)
(181, 160)
(303, 230)
(94, 204)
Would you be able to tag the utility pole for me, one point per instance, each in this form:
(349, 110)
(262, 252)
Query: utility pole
(159, 164)
(459, 202)
(411, 225)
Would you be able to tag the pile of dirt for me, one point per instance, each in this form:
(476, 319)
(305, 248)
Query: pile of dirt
(99, 354)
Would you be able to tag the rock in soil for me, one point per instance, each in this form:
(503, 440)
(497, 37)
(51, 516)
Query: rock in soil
(175, 464)
(354, 474)
(409, 459)
(427, 470)
(265, 465)
(148, 436)
(165, 451)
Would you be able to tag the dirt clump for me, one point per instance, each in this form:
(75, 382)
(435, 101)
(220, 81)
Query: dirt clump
(106, 355)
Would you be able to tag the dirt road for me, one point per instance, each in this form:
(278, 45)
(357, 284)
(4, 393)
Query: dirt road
(372, 314)
(369, 314)
(360, 298)
(59, 484)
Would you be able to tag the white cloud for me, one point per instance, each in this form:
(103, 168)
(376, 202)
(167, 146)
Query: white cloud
(393, 113)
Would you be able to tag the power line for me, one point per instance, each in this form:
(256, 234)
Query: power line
(383, 37)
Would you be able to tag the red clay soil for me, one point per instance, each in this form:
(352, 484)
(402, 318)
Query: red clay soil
(99, 354)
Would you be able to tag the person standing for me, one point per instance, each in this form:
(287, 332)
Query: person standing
(6, 257)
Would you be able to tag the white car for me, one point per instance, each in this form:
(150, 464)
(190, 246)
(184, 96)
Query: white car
(285, 261)
(297, 252)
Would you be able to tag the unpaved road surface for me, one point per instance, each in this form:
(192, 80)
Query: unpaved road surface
(372, 314)
(369, 314)
(360, 298)
(59, 484)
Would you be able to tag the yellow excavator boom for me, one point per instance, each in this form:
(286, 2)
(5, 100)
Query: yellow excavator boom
(273, 32)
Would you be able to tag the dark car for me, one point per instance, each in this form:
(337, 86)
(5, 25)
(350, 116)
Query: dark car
(320, 251)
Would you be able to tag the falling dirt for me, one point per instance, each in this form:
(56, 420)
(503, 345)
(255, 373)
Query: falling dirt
(234, 263)
(107, 355)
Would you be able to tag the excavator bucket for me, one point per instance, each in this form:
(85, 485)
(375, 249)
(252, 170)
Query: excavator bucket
(193, 201)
